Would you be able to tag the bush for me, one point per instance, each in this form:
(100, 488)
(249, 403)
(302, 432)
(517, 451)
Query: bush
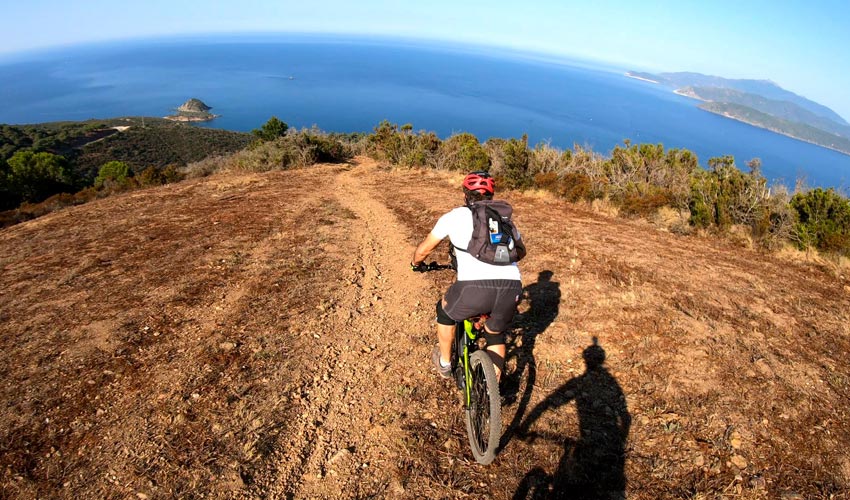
(544, 159)
(401, 146)
(644, 204)
(462, 152)
(576, 186)
(515, 173)
(724, 195)
(113, 174)
(294, 150)
(775, 221)
(155, 176)
(642, 176)
(823, 220)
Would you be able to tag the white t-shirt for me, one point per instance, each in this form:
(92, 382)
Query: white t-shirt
(457, 225)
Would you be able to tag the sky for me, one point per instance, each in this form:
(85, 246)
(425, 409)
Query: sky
(804, 46)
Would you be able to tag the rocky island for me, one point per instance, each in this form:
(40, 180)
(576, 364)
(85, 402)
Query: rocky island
(193, 110)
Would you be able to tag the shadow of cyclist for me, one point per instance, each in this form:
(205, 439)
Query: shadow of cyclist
(544, 297)
(592, 466)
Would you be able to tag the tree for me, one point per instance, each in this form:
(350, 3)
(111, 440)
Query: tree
(113, 172)
(37, 176)
(271, 130)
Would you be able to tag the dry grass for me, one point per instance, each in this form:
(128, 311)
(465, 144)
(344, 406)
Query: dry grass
(186, 347)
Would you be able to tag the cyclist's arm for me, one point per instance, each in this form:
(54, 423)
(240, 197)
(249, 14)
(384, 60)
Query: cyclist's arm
(426, 247)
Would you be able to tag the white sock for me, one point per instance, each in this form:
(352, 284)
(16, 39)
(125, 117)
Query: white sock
(445, 364)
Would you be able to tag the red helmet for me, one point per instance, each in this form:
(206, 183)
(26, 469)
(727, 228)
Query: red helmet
(480, 181)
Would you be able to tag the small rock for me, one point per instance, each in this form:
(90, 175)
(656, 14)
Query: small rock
(396, 486)
(739, 461)
(142, 496)
(339, 456)
(699, 461)
(764, 368)
(227, 346)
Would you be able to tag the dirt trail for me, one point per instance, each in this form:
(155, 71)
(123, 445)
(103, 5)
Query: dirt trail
(367, 358)
(255, 335)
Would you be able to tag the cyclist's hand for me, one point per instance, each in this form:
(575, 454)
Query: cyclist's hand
(419, 268)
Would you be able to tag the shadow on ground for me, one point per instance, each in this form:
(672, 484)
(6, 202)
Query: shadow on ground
(544, 296)
(592, 465)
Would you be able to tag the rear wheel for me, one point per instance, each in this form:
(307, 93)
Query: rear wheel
(484, 414)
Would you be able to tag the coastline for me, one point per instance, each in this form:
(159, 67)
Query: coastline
(689, 95)
(642, 79)
(731, 117)
(181, 118)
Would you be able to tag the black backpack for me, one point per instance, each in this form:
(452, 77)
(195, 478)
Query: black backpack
(495, 239)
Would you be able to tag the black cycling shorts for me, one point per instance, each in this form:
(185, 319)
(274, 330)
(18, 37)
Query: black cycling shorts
(498, 298)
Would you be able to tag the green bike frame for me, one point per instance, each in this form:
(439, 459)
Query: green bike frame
(471, 335)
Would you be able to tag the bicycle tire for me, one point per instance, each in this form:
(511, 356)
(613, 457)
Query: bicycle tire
(484, 414)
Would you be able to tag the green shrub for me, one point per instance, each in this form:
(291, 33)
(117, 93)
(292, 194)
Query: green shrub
(463, 152)
(113, 174)
(724, 195)
(823, 220)
(515, 173)
(643, 175)
(401, 146)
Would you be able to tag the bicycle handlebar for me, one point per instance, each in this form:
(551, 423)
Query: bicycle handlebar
(433, 266)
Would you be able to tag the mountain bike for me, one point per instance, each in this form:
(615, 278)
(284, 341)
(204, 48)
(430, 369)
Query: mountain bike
(475, 376)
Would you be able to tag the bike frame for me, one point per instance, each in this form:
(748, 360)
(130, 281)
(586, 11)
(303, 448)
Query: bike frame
(468, 333)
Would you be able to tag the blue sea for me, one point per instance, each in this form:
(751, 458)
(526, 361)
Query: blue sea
(349, 84)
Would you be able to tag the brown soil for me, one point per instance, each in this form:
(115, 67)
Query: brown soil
(260, 335)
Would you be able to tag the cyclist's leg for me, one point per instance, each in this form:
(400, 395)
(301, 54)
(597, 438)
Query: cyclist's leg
(496, 348)
(445, 332)
(501, 315)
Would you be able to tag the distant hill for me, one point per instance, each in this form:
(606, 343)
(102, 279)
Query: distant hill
(84, 147)
(764, 88)
(781, 109)
(796, 130)
(761, 103)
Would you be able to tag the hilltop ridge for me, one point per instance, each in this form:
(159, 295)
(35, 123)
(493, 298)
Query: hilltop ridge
(184, 345)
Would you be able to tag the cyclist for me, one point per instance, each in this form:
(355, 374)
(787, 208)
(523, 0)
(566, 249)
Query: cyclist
(480, 288)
